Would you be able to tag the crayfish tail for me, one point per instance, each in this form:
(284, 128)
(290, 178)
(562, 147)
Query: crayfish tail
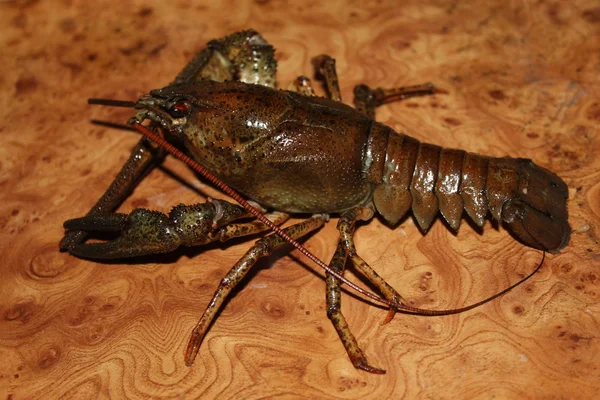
(537, 214)
(530, 200)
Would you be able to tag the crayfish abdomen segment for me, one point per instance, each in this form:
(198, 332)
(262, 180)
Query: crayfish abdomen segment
(530, 200)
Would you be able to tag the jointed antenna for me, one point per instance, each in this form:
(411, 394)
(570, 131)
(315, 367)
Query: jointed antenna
(111, 102)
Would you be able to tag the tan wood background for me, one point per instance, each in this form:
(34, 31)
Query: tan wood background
(523, 78)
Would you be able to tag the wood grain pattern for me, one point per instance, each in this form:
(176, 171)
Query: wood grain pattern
(523, 81)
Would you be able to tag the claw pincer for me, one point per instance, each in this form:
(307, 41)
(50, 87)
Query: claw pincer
(144, 232)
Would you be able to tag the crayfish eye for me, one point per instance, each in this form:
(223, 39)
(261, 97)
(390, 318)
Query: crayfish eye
(180, 109)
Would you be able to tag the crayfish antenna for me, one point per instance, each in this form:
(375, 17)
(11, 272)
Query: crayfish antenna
(420, 311)
(112, 102)
(114, 125)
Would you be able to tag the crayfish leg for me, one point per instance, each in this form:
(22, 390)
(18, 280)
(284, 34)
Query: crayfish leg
(346, 226)
(261, 248)
(334, 313)
(346, 249)
(302, 85)
(366, 100)
(250, 228)
(325, 71)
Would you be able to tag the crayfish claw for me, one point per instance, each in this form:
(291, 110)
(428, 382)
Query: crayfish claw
(141, 233)
(97, 223)
(103, 251)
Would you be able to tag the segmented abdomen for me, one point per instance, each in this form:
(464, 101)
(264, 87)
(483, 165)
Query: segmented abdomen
(409, 174)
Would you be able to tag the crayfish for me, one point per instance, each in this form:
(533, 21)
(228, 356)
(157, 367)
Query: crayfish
(289, 151)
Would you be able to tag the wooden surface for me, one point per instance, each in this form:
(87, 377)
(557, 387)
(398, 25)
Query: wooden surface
(523, 80)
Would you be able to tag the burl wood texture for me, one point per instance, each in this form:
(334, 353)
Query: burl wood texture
(523, 80)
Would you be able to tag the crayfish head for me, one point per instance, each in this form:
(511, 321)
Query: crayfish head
(169, 112)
